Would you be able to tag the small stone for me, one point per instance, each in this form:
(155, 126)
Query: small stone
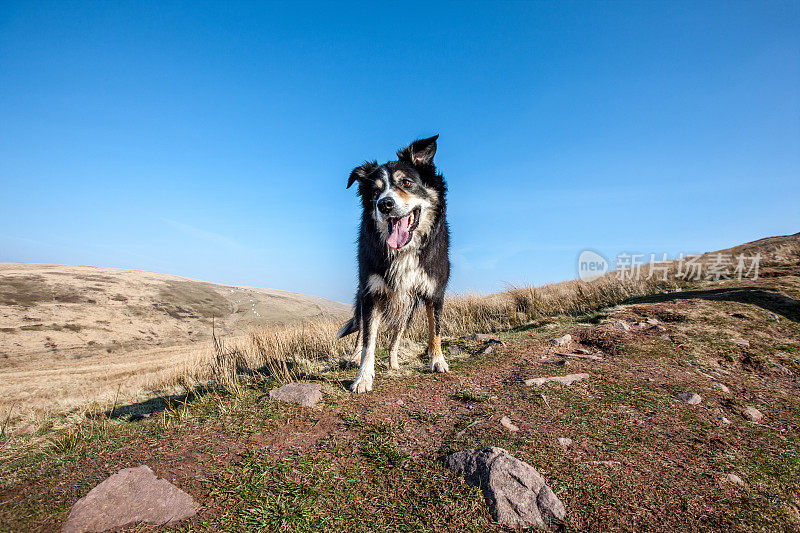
(690, 398)
(721, 387)
(454, 349)
(564, 442)
(741, 342)
(305, 394)
(752, 414)
(486, 349)
(651, 380)
(130, 496)
(620, 325)
(724, 420)
(569, 379)
(508, 424)
(736, 480)
(563, 340)
(400, 402)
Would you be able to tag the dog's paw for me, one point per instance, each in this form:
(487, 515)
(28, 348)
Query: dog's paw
(362, 384)
(439, 365)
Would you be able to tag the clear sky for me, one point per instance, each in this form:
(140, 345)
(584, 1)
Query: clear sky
(214, 140)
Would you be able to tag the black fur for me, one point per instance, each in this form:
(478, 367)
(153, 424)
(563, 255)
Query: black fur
(420, 183)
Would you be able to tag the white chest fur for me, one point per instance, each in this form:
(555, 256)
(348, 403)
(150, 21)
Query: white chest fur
(406, 281)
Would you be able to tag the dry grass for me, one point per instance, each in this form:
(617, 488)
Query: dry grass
(289, 353)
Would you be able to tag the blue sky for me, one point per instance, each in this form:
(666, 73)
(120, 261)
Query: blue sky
(214, 140)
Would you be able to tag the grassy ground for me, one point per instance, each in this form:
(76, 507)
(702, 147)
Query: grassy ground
(639, 459)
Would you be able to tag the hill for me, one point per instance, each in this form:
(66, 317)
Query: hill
(71, 332)
(682, 415)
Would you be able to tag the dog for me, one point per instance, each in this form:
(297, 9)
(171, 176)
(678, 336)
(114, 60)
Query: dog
(403, 255)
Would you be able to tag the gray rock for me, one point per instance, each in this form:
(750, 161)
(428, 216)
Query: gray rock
(564, 442)
(569, 379)
(721, 387)
(621, 325)
(306, 394)
(736, 480)
(564, 340)
(130, 496)
(454, 349)
(689, 397)
(752, 414)
(486, 349)
(508, 424)
(482, 337)
(516, 494)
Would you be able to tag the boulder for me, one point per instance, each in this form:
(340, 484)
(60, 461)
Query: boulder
(306, 394)
(508, 424)
(515, 492)
(131, 496)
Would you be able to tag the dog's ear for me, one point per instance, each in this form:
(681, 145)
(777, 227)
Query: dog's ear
(359, 173)
(419, 153)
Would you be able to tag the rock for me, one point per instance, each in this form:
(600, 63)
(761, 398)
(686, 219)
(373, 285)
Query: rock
(721, 387)
(516, 494)
(508, 424)
(486, 349)
(400, 402)
(620, 325)
(564, 442)
(454, 349)
(741, 342)
(569, 379)
(306, 394)
(130, 496)
(752, 414)
(665, 338)
(689, 397)
(736, 480)
(724, 420)
(564, 340)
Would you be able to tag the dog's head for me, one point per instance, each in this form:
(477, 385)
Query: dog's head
(403, 197)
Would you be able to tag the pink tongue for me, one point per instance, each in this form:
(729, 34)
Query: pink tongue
(399, 236)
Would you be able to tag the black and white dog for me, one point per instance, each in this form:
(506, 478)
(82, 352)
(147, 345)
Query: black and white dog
(402, 254)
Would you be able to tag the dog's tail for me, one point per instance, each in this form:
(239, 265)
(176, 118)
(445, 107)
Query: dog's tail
(347, 329)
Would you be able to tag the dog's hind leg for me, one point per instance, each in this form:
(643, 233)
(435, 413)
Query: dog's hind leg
(395, 347)
(434, 309)
(355, 359)
(370, 320)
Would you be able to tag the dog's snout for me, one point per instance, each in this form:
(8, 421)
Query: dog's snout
(385, 205)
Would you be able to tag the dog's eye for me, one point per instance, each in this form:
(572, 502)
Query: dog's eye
(406, 183)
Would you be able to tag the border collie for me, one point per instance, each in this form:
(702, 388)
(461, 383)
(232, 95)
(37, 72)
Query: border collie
(402, 255)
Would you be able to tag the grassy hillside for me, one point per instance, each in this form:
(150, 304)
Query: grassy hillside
(73, 334)
(638, 459)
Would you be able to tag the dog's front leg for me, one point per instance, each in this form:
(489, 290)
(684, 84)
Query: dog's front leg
(438, 364)
(370, 320)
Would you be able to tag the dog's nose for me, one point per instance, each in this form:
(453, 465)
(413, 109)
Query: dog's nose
(385, 205)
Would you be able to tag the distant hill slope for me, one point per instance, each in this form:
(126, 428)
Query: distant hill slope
(71, 334)
(60, 308)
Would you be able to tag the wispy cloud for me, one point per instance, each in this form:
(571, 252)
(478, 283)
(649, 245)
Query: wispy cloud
(201, 234)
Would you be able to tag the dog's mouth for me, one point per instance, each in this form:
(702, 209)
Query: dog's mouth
(402, 229)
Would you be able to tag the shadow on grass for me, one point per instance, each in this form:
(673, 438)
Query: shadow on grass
(153, 406)
(774, 302)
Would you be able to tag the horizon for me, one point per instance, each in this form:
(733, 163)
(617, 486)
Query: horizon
(214, 142)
